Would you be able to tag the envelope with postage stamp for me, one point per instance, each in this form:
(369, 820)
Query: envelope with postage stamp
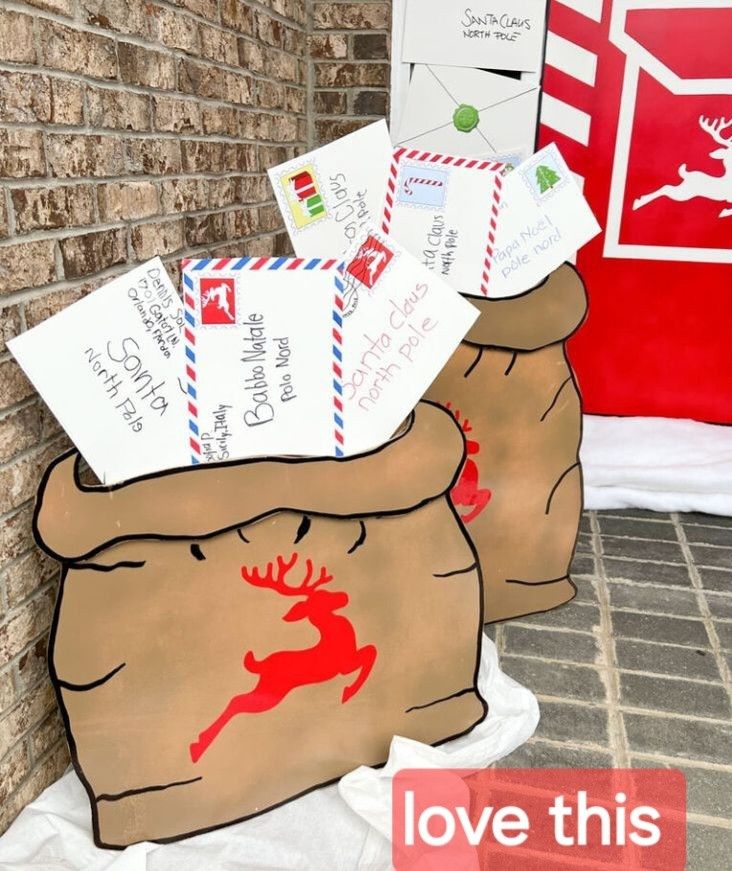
(328, 195)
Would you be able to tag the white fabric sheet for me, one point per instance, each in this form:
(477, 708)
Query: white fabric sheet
(658, 464)
(339, 828)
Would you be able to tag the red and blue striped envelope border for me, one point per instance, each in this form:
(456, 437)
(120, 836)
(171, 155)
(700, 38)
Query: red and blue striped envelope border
(234, 264)
(429, 157)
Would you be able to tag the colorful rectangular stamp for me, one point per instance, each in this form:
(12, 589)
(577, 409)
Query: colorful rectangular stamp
(544, 176)
(371, 261)
(218, 301)
(304, 195)
(422, 186)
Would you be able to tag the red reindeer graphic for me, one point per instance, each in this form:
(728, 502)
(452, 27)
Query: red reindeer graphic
(336, 653)
(466, 493)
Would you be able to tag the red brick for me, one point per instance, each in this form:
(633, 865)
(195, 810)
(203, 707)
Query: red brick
(330, 102)
(76, 51)
(16, 37)
(177, 116)
(140, 66)
(43, 307)
(19, 481)
(43, 208)
(253, 189)
(60, 7)
(348, 75)
(251, 56)
(237, 15)
(72, 155)
(127, 201)
(204, 8)
(31, 572)
(223, 120)
(222, 192)
(370, 46)
(371, 103)
(271, 31)
(154, 156)
(26, 264)
(270, 95)
(4, 228)
(205, 229)
(13, 770)
(356, 16)
(332, 46)
(24, 97)
(212, 82)
(33, 664)
(160, 238)
(93, 252)
(184, 195)
(21, 154)
(131, 16)
(176, 30)
(36, 706)
(219, 45)
(9, 325)
(330, 130)
(16, 534)
(49, 734)
(120, 110)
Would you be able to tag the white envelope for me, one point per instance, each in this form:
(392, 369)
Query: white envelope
(328, 195)
(109, 369)
(443, 210)
(260, 357)
(543, 220)
(501, 35)
(506, 112)
(401, 324)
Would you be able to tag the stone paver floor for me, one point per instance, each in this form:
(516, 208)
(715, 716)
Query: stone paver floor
(635, 672)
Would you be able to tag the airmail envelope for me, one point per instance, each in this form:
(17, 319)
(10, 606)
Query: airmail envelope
(259, 357)
(500, 35)
(443, 210)
(401, 324)
(543, 220)
(108, 367)
(328, 195)
(468, 112)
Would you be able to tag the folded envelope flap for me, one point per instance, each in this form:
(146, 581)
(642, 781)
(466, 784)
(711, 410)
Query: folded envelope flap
(658, 36)
(74, 521)
(436, 91)
(546, 314)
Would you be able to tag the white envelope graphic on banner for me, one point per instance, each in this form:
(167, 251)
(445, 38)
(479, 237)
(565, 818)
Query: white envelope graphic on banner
(685, 82)
(468, 112)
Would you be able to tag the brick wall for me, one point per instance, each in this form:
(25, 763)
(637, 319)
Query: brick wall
(130, 128)
(349, 57)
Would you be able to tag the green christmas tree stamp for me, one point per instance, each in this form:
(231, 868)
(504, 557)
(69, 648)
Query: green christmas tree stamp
(544, 175)
(546, 178)
(465, 118)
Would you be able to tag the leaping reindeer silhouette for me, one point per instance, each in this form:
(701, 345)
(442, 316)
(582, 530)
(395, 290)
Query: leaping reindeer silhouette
(699, 184)
(218, 295)
(336, 653)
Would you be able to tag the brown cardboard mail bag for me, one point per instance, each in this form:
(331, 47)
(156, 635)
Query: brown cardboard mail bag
(229, 637)
(520, 493)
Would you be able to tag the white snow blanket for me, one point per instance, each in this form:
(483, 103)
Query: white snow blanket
(658, 464)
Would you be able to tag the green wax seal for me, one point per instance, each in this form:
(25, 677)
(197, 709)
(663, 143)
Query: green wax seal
(465, 118)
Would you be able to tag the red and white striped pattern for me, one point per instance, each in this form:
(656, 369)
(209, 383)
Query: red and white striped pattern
(430, 157)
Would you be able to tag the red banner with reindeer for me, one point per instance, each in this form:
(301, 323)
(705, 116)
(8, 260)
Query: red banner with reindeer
(638, 95)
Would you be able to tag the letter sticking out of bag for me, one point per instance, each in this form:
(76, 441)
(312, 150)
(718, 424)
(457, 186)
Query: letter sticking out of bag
(231, 636)
(512, 389)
